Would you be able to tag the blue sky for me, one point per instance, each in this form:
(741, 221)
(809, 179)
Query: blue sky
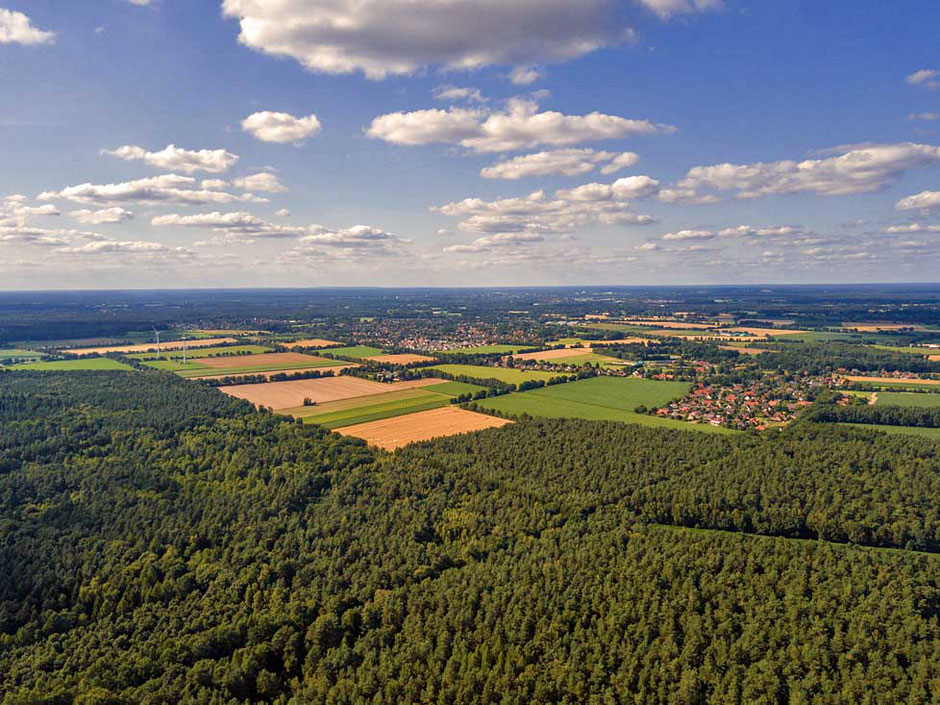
(333, 142)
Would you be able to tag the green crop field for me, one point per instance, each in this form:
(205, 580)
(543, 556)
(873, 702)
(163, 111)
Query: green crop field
(923, 400)
(503, 374)
(903, 384)
(238, 366)
(489, 350)
(349, 412)
(454, 388)
(909, 350)
(932, 433)
(356, 352)
(15, 354)
(599, 399)
(88, 363)
(590, 359)
(196, 353)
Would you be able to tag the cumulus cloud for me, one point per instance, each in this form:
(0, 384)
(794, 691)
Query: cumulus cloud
(520, 126)
(17, 28)
(536, 215)
(102, 217)
(282, 128)
(569, 162)
(134, 247)
(15, 212)
(490, 243)
(682, 235)
(772, 231)
(451, 93)
(913, 228)
(360, 242)
(171, 189)
(854, 169)
(173, 158)
(628, 187)
(524, 75)
(925, 78)
(263, 181)
(393, 37)
(925, 200)
(235, 224)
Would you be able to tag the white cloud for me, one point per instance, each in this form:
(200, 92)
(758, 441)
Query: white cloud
(665, 8)
(357, 243)
(101, 217)
(569, 162)
(524, 75)
(913, 228)
(682, 235)
(628, 187)
(141, 3)
(855, 169)
(263, 181)
(16, 28)
(128, 247)
(536, 215)
(282, 128)
(173, 158)
(928, 117)
(170, 189)
(15, 213)
(394, 37)
(235, 224)
(521, 126)
(926, 78)
(489, 243)
(451, 93)
(772, 231)
(923, 200)
(282, 213)
(214, 184)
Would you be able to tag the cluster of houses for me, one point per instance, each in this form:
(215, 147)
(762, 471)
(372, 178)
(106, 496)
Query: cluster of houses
(756, 405)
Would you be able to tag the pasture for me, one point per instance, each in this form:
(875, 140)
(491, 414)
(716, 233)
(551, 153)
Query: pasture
(503, 374)
(91, 363)
(399, 431)
(922, 400)
(17, 355)
(599, 399)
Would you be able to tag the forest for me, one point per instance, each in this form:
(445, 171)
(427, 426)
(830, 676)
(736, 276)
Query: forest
(164, 543)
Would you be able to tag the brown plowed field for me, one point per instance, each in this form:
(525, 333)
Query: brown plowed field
(289, 395)
(423, 426)
(173, 345)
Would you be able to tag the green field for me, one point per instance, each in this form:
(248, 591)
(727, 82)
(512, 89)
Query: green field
(238, 367)
(88, 363)
(454, 388)
(489, 350)
(932, 433)
(922, 400)
(356, 352)
(590, 359)
(902, 384)
(909, 350)
(196, 353)
(599, 399)
(503, 374)
(15, 354)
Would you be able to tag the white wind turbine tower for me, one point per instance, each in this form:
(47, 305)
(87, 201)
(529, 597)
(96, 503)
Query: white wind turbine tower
(157, 334)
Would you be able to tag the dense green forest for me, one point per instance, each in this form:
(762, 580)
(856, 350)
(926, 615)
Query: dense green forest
(162, 543)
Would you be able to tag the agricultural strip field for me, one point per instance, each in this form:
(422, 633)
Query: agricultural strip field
(921, 400)
(400, 359)
(291, 395)
(371, 408)
(242, 364)
(92, 363)
(268, 374)
(899, 349)
(599, 399)
(422, 426)
(895, 382)
(931, 433)
(559, 353)
(488, 350)
(312, 343)
(357, 352)
(173, 345)
(745, 350)
(198, 353)
(503, 374)
(6, 356)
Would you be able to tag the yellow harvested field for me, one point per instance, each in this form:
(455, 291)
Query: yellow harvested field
(763, 332)
(173, 345)
(422, 426)
(891, 380)
(672, 324)
(622, 341)
(875, 327)
(290, 395)
(268, 375)
(934, 358)
(403, 359)
(262, 360)
(560, 353)
(313, 343)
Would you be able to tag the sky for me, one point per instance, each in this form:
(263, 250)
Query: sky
(247, 143)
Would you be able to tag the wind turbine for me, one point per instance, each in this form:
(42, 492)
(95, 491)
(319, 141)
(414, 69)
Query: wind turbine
(157, 333)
